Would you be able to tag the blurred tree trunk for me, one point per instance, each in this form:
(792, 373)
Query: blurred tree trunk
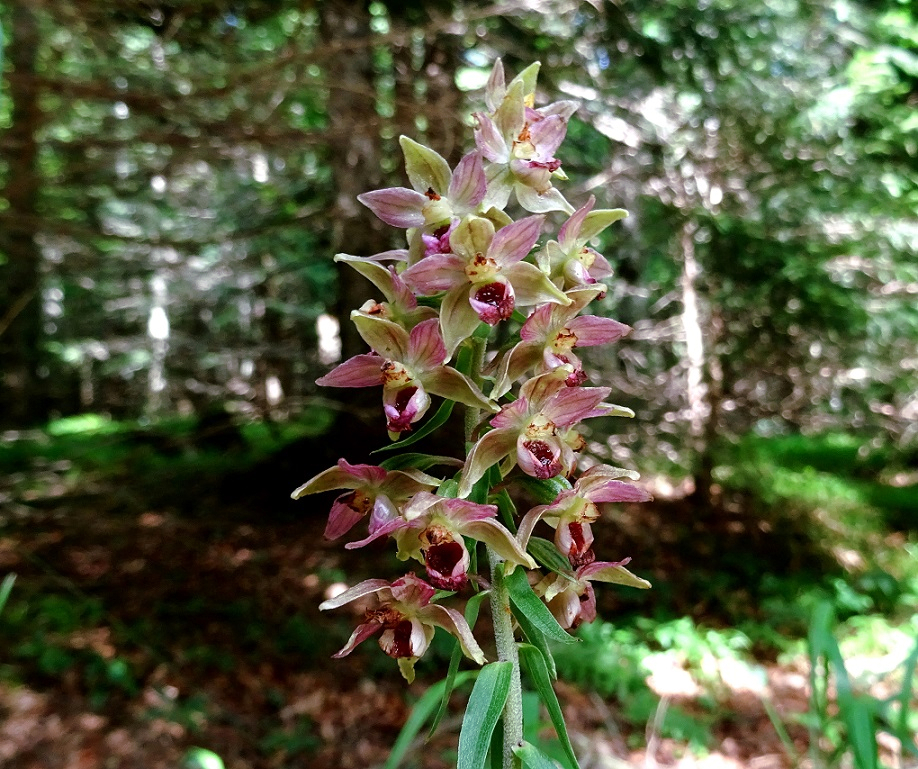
(354, 139)
(22, 390)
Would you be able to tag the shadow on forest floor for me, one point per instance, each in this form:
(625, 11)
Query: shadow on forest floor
(167, 596)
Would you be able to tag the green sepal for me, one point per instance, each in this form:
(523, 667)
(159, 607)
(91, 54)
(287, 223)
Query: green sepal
(471, 615)
(437, 420)
(534, 664)
(419, 714)
(486, 703)
(525, 601)
(545, 490)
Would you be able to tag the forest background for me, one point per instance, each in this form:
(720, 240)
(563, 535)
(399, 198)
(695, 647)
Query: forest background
(175, 178)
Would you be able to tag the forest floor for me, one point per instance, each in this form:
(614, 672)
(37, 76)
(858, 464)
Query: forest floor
(154, 613)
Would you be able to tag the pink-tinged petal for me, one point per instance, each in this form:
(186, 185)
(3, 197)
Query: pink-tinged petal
(618, 491)
(383, 513)
(384, 336)
(412, 591)
(452, 385)
(573, 404)
(367, 587)
(401, 484)
(489, 450)
(528, 523)
(564, 109)
(469, 184)
(532, 286)
(454, 624)
(569, 234)
(514, 242)
(539, 325)
(547, 135)
(609, 410)
(359, 371)
(426, 350)
(614, 572)
(396, 206)
(598, 220)
(494, 301)
(342, 476)
(539, 458)
(514, 415)
(496, 87)
(380, 531)
(461, 511)
(565, 607)
(361, 634)
(489, 141)
(374, 272)
(458, 320)
(435, 273)
(472, 237)
(540, 389)
(592, 330)
(342, 517)
(426, 168)
(500, 185)
(544, 202)
(574, 539)
(420, 506)
(404, 406)
(500, 540)
(588, 606)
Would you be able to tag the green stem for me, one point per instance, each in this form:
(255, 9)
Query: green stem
(500, 601)
(507, 651)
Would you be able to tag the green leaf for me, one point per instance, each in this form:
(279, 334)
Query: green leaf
(486, 703)
(545, 490)
(534, 664)
(417, 461)
(537, 639)
(533, 758)
(545, 552)
(437, 420)
(419, 714)
(471, 615)
(528, 603)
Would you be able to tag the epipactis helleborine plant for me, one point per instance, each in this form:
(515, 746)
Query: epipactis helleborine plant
(467, 267)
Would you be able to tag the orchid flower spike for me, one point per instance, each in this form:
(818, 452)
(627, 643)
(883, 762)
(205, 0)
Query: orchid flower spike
(371, 490)
(409, 366)
(407, 620)
(549, 336)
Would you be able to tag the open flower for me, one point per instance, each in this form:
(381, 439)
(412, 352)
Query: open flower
(408, 366)
(484, 275)
(549, 336)
(431, 530)
(571, 599)
(439, 194)
(532, 429)
(573, 511)
(569, 260)
(520, 143)
(407, 619)
(371, 490)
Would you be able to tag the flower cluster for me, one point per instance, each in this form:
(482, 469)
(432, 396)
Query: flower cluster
(468, 266)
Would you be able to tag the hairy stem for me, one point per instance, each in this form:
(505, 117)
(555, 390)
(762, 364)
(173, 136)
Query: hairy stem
(500, 601)
(507, 652)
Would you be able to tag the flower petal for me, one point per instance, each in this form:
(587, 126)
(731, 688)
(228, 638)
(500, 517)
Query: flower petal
(454, 623)
(453, 385)
(573, 404)
(385, 337)
(426, 168)
(343, 476)
(547, 135)
(500, 185)
(514, 242)
(569, 234)
(396, 206)
(591, 330)
(489, 450)
(426, 350)
(435, 273)
(359, 371)
(500, 540)
(614, 572)
(489, 141)
(458, 320)
(360, 634)
(541, 202)
(532, 286)
(598, 220)
(367, 587)
(468, 185)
